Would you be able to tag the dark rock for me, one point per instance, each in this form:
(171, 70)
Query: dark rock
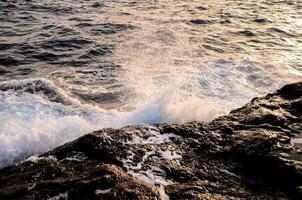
(247, 154)
(291, 91)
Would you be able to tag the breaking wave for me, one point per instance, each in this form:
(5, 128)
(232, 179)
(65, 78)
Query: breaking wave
(36, 115)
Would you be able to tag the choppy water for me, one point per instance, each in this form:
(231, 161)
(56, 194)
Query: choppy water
(69, 67)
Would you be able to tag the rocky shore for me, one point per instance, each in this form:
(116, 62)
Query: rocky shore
(252, 153)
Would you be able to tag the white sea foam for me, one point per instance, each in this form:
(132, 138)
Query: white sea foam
(156, 138)
(36, 158)
(32, 187)
(98, 191)
(59, 196)
(34, 122)
(30, 124)
(141, 169)
(162, 193)
(150, 177)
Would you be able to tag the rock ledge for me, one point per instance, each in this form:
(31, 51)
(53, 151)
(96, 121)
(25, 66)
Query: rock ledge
(252, 153)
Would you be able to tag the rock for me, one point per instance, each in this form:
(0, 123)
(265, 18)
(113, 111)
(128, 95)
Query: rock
(247, 154)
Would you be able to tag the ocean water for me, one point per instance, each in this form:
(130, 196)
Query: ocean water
(70, 67)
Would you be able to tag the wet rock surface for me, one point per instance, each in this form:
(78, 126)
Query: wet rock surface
(248, 154)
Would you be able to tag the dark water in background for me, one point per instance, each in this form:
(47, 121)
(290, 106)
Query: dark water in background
(69, 67)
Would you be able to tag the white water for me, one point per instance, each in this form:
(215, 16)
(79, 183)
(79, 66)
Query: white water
(31, 123)
(176, 70)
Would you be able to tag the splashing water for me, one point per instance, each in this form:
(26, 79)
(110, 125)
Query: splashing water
(31, 123)
(69, 68)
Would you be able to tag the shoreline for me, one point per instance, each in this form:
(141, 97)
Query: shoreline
(245, 154)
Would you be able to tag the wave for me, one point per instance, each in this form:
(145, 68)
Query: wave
(36, 115)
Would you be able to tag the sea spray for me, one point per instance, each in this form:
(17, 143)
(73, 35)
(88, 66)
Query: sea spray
(36, 115)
